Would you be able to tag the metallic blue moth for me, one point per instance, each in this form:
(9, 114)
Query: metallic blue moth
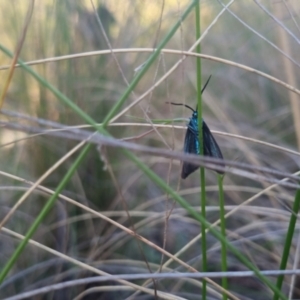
(191, 141)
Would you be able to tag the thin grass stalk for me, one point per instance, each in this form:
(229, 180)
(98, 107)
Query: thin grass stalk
(44, 212)
(288, 241)
(200, 137)
(223, 232)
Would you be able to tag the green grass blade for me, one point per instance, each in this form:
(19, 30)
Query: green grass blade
(200, 137)
(288, 241)
(203, 231)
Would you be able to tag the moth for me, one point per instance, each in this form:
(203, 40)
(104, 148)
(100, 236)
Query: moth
(191, 141)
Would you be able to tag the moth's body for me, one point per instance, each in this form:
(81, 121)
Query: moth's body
(191, 141)
(192, 145)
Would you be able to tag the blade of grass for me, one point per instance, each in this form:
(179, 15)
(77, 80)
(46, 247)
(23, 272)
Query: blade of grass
(200, 137)
(288, 241)
(43, 213)
(223, 232)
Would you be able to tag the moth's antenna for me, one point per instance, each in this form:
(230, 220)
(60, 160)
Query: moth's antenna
(181, 104)
(205, 84)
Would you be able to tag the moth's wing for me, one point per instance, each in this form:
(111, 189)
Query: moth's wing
(211, 148)
(191, 145)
